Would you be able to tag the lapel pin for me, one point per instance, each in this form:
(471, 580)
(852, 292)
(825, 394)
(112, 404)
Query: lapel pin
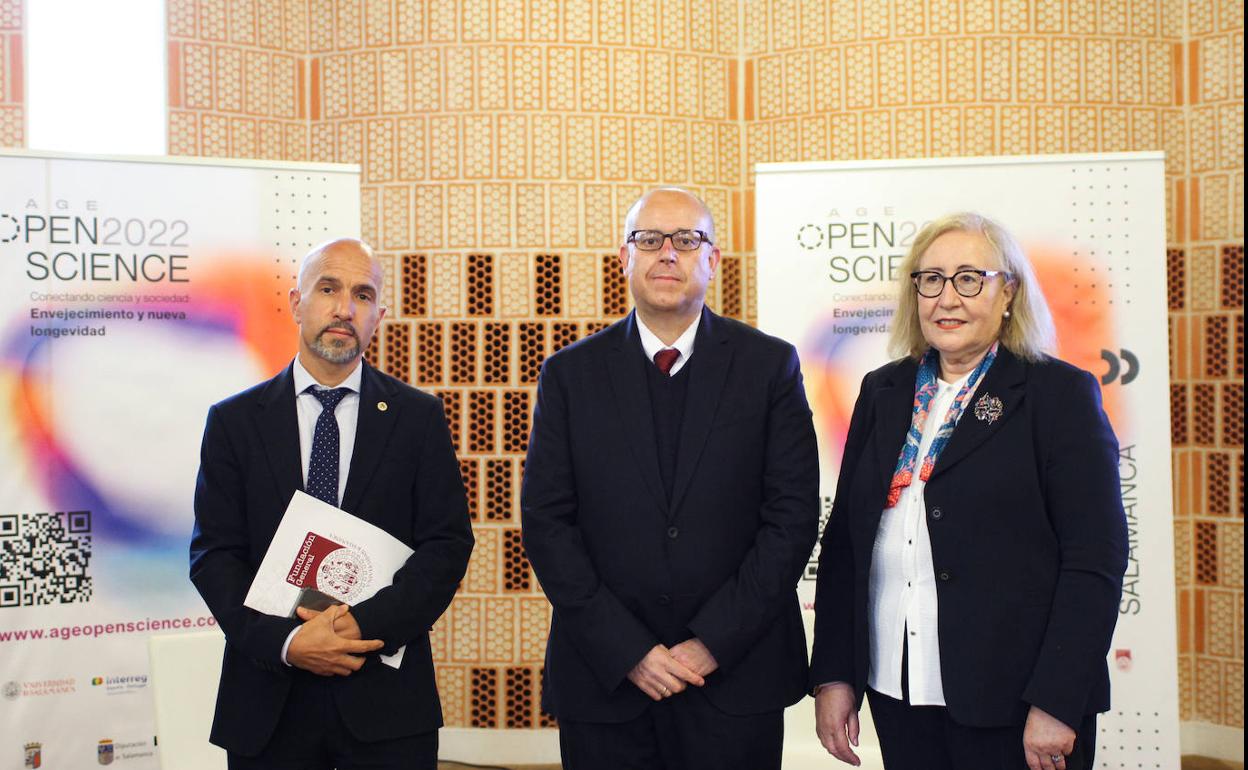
(988, 408)
(381, 406)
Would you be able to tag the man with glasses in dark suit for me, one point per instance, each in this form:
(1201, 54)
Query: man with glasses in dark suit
(670, 503)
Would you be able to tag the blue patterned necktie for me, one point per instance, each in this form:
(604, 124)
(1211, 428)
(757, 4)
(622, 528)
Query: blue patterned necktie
(323, 467)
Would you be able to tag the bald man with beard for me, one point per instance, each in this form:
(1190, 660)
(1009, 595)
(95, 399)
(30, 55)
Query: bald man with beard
(309, 692)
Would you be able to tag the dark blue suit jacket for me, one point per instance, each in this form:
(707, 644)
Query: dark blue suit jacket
(1028, 539)
(404, 478)
(626, 568)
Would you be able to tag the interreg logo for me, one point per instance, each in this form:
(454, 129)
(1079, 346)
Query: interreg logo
(120, 685)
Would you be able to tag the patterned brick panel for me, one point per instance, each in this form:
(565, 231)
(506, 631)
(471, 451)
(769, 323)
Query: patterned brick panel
(481, 425)
(398, 339)
(1233, 275)
(1239, 345)
(1217, 360)
(615, 290)
(484, 697)
(12, 75)
(470, 471)
(480, 285)
(561, 335)
(429, 349)
(498, 485)
(521, 689)
(1204, 414)
(532, 351)
(1206, 552)
(497, 347)
(548, 291)
(414, 285)
(453, 405)
(463, 353)
(1218, 483)
(515, 427)
(516, 569)
(1176, 285)
(1178, 414)
(1233, 415)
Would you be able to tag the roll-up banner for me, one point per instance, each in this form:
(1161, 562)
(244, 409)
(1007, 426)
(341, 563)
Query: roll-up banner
(134, 293)
(831, 237)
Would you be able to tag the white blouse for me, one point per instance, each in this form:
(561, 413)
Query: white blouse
(901, 595)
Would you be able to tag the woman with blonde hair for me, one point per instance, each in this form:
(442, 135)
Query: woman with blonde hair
(972, 565)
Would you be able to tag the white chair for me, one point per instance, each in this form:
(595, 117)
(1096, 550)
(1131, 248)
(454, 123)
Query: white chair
(185, 669)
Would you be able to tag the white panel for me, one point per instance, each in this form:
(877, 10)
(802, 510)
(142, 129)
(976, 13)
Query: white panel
(830, 238)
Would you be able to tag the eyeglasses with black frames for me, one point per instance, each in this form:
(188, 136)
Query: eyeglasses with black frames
(682, 240)
(968, 283)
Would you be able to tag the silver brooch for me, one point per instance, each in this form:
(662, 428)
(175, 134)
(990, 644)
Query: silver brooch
(988, 408)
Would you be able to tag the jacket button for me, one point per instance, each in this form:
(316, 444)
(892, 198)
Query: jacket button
(937, 514)
(673, 532)
(944, 575)
(664, 599)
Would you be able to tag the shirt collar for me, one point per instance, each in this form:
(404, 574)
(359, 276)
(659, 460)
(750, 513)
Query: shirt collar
(305, 380)
(651, 344)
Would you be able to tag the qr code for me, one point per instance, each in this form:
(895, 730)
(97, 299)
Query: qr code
(825, 513)
(44, 558)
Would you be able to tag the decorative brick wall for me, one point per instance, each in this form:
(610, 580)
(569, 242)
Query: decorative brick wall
(502, 140)
(1206, 269)
(12, 75)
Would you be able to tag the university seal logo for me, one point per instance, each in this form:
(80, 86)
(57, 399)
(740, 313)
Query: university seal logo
(34, 755)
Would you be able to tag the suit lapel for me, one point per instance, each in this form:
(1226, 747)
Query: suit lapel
(372, 432)
(706, 385)
(628, 385)
(278, 421)
(1004, 382)
(894, 410)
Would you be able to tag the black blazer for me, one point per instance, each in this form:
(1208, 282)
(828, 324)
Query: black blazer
(1028, 540)
(403, 478)
(626, 568)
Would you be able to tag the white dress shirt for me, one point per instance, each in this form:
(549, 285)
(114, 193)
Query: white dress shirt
(651, 343)
(901, 597)
(309, 409)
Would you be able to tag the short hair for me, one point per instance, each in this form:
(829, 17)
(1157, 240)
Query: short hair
(631, 217)
(1028, 333)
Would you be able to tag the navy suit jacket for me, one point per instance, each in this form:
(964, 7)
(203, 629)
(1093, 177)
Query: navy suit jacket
(404, 478)
(625, 567)
(1028, 541)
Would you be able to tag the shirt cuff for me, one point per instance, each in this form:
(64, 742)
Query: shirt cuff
(286, 645)
(818, 687)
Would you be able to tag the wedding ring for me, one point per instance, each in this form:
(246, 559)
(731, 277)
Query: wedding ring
(1056, 758)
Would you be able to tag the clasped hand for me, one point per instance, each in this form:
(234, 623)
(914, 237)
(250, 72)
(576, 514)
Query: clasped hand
(328, 643)
(665, 672)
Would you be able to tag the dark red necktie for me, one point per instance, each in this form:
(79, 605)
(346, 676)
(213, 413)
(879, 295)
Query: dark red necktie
(666, 359)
